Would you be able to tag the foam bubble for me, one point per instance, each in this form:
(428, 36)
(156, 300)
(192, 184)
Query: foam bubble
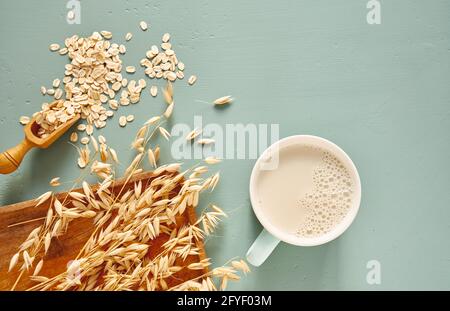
(330, 199)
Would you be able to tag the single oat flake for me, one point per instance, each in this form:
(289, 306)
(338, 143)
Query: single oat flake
(74, 137)
(123, 121)
(192, 79)
(223, 100)
(130, 69)
(55, 182)
(143, 25)
(54, 47)
(24, 120)
(166, 37)
(154, 90)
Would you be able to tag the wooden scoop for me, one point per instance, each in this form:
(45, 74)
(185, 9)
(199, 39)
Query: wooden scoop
(11, 158)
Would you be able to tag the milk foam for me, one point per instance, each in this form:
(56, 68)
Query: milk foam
(330, 200)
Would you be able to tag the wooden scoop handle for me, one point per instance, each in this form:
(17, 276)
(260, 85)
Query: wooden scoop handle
(11, 158)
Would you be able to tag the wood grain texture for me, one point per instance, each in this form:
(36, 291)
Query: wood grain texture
(18, 220)
(11, 158)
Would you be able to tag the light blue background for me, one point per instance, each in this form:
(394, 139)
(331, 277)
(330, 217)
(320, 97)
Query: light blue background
(381, 92)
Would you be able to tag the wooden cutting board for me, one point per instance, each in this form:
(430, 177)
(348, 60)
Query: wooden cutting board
(18, 220)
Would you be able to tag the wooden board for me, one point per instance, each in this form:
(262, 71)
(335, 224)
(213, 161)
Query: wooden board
(65, 248)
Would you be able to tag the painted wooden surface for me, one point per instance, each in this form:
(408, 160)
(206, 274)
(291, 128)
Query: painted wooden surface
(381, 92)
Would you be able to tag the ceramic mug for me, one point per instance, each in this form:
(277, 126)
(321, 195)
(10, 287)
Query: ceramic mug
(271, 235)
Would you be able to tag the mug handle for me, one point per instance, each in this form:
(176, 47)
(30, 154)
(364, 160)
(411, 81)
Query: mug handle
(263, 246)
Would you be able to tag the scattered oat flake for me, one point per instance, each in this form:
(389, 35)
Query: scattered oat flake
(85, 140)
(116, 86)
(56, 83)
(192, 79)
(24, 120)
(106, 34)
(154, 90)
(113, 104)
(89, 129)
(142, 83)
(63, 51)
(169, 52)
(58, 93)
(71, 15)
(143, 25)
(123, 121)
(43, 90)
(54, 47)
(212, 160)
(81, 127)
(55, 182)
(130, 69)
(74, 137)
(166, 45)
(128, 36)
(223, 100)
(124, 101)
(180, 75)
(171, 76)
(166, 37)
(130, 118)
